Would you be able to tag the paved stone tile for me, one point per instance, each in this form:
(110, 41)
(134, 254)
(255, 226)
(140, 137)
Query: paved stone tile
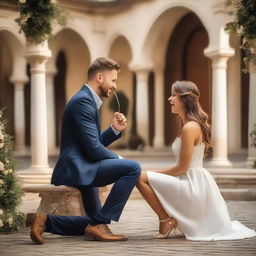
(138, 222)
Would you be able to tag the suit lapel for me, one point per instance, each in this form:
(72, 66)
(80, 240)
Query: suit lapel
(85, 88)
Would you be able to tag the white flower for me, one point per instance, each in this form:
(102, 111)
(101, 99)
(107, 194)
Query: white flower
(1, 182)
(6, 172)
(10, 220)
(1, 212)
(1, 145)
(253, 50)
(10, 171)
(22, 1)
(1, 223)
(1, 166)
(240, 30)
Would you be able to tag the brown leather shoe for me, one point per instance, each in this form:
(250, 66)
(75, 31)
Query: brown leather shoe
(101, 233)
(37, 222)
(106, 228)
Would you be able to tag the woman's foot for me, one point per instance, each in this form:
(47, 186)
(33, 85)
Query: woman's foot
(165, 228)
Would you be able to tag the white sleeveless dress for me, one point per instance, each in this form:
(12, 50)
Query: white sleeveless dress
(195, 201)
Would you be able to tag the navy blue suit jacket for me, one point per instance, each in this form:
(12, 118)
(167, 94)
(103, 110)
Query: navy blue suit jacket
(82, 144)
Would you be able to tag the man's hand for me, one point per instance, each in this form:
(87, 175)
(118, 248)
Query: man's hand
(119, 121)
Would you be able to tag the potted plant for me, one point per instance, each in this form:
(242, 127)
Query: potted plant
(38, 17)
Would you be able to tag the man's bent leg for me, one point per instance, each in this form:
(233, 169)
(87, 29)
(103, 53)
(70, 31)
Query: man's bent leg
(124, 173)
(91, 199)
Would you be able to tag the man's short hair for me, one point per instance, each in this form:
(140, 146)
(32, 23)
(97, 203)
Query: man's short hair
(101, 64)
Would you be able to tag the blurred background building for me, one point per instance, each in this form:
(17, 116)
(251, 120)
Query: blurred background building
(156, 43)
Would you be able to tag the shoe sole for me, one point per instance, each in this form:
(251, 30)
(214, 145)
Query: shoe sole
(90, 237)
(35, 240)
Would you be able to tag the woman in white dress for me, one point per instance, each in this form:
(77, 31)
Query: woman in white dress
(186, 195)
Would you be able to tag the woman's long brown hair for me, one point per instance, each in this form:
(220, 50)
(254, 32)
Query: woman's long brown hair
(189, 95)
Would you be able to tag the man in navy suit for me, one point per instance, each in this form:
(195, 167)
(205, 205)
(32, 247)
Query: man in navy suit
(86, 162)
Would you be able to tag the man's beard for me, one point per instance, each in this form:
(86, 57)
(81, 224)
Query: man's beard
(103, 93)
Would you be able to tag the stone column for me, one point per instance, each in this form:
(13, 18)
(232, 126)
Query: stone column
(39, 172)
(252, 115)
(142, 104)
(51, 111)
(158, 141)
(219, 107)
(19, 115)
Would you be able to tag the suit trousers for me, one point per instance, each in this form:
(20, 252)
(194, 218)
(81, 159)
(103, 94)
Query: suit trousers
(124, 174)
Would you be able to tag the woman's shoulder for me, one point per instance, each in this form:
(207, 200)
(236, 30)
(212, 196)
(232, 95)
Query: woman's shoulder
(191, 128)
(191, 125)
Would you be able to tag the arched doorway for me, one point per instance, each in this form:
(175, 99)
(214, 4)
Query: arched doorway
(6, 87)
(185, 60)
(60, 92)
(244, 103)
(120, 51)
(27, 95)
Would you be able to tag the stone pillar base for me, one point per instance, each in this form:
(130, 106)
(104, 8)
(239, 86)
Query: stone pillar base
(220, 162)
(35, 176)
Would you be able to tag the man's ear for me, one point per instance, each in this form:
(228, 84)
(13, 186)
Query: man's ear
(99, 77)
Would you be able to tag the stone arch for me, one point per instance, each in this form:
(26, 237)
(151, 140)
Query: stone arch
(77, 56)
(117, 38)
(158, 38)
(12, 69)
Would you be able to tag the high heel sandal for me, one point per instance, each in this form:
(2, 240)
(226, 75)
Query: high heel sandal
(172, 227)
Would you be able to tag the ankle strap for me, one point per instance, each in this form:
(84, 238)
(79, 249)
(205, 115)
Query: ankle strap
(164, 220)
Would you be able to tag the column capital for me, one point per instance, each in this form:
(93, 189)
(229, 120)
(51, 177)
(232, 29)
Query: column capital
(142, 71)
(19, 80)
(217, 53)
(219, 57)
(139, 67)
(34, 50)
(142, 75)
(37, 55)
